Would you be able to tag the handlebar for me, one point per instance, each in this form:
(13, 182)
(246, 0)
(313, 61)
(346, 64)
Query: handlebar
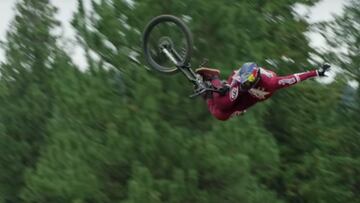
(203, 87)
(203, 90)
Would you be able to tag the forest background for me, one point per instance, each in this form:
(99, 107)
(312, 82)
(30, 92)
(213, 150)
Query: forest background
(117, 132)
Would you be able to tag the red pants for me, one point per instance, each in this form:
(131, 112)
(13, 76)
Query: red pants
(221, 106)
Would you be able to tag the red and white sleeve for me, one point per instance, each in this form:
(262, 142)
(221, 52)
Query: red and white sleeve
(289, 80)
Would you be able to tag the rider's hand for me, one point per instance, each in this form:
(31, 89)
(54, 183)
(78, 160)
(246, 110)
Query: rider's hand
(224, 89)
(321, 71)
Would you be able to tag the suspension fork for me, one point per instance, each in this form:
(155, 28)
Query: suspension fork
(196, 79)
(174, 56)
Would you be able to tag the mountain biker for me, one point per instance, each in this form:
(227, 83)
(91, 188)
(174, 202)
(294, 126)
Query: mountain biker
(247, 86)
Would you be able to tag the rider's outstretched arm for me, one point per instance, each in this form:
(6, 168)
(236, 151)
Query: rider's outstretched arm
(289, 80)
(286, 81)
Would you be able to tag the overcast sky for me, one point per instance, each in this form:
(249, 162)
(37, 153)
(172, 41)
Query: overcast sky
(324, 10)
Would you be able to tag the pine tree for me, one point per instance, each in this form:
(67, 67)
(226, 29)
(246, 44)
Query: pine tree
(26, 105)
(337, 165)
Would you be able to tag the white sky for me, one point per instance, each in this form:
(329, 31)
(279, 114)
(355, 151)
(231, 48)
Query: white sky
(64, 14)
(321, 11)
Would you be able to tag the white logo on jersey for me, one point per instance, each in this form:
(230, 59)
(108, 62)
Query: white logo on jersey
(234, 93)
(287, 81)
(258, 93)
(266, 72)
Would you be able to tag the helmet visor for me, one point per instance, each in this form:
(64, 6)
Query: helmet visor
(248, 80)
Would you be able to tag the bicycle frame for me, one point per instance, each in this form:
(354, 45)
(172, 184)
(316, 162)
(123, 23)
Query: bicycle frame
(196, 79)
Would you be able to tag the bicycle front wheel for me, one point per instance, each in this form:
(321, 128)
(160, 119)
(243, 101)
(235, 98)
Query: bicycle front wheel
(167, 44)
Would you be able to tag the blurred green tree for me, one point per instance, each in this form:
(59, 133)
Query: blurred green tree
(66, 170)
(26, 103)
(115, 132)
(338, 164)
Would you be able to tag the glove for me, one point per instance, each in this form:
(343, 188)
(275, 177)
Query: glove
(321, 71)
(224, 89)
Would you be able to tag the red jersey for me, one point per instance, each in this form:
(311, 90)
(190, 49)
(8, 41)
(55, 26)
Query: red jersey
(236, 101)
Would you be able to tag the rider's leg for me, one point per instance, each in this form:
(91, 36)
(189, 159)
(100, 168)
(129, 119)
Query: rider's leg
(208, 74)
(219, 113)
(218, 105)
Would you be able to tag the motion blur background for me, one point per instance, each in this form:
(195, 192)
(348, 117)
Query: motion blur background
(80, 121)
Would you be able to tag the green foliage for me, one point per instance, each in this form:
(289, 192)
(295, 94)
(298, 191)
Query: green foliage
(117, 132)
(26, 98)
